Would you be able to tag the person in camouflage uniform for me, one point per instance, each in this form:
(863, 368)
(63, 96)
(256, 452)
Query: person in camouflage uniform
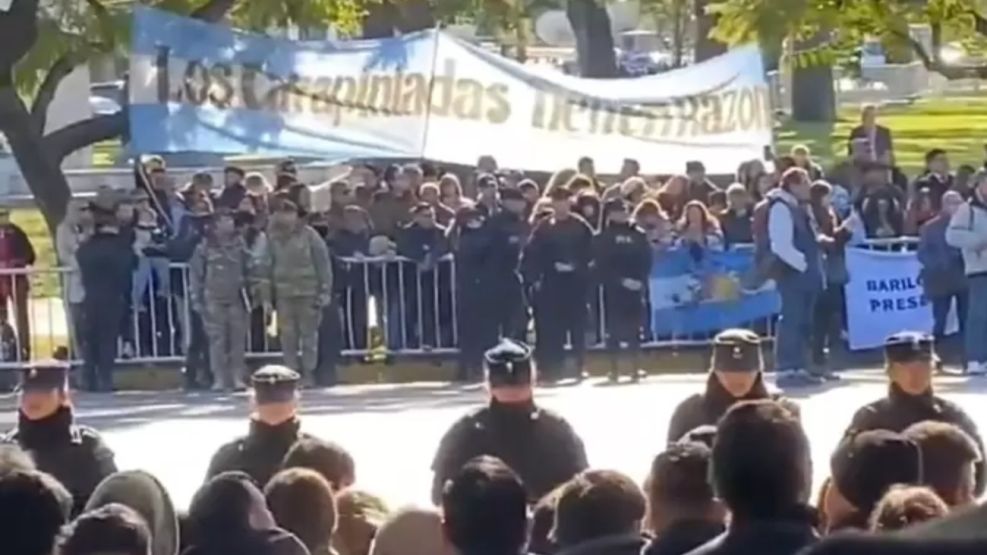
(296, 273)
(220, 277)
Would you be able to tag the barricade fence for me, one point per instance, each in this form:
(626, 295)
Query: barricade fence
(382, 307)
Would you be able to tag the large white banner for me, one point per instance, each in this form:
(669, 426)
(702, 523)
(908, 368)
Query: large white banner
(201, 87)
(884, 296)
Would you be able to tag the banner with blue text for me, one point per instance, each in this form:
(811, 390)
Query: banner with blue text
(201, 87)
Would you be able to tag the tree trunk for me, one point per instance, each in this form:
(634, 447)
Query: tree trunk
(384, 19)
(813, 98)
(594, 38)
(706, 47)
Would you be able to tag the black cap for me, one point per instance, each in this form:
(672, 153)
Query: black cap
(274, 384)
(45, 375)
(508, 363)
(736, 350)
(866, 464)
(511, 193)
(909, 346)
(615, 205)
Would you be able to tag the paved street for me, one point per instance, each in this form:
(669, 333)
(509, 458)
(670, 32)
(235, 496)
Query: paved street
(392, 431)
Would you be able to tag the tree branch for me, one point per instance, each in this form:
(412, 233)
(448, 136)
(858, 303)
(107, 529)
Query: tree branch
(213, 10)
(934, 63)
(62, 67)
(71, 138)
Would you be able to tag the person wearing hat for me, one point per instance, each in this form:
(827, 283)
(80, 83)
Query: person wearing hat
(536, 443)
(427, 305)
(106, 262)
(274, 427)
(736, 374)
(508, 230)
(487, 194)
(556, 264)
(75, 455)
(470, 242)
(911, 361)
(295, 271)
(863, 468)
(16, 252)
(623, 260)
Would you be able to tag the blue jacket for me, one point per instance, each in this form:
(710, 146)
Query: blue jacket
(942, 264)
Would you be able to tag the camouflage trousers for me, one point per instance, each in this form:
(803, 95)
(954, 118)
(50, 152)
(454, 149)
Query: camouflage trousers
(226, 327)
(298, 326)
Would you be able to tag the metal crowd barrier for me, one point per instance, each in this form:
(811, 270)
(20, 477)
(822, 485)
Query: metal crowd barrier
(383, 306)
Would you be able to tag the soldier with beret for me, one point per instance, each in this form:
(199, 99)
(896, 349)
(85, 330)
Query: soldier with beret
(46, 428)
(536, 443)
(556, 263)
(274, 427)
(864, 467)
(508, 232)
(736, 375)
(911, 361)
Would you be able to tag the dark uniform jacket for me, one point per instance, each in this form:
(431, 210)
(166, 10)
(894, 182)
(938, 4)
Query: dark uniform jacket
(75, 455)
(259, 453)
(707, 408)
(627, 544)
(507, 235)
(536, 443)
(899, 410)
(568, 241)
(622, 252)
(106, 262)
(683, 536)
(762, 537)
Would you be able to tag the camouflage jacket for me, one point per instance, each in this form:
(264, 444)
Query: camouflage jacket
(295, 263)
(220, 271)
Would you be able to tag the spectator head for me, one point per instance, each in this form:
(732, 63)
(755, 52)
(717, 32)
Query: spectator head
(696, 171)
(864, 466)
(736, 361)
(302, 503)
(738, 199)
(802, 155)
(820, 193)
(31, 512)
(199, 204)
(980, 184)
(450, 191)
(633, 189)
(356, 219)
(486, 187)
(616, 211)
(390, 174)
(696, 216)
(486, 164)
(412, 531)
(224, 222)
(112, 528)
(868, 115)
(559, 179)
(760, 465)
(484, 508)
(430, 172)
(961, 181)
(586, 166)
(678, 486)
(429, 193)
(949, 458)
(202, 182)
(510, 374)
(359, 516)
(588, 205)
(542, 521)
(14, 459)
(275, 396)
(144, 494)
(285, 211)
(937, 161)
(529, 189)
(595, 504)
(629, 168)
(44, 389)
(905, 506)
(874, 174)
(233, 175)
(414, 175)
(911, 360)
(579, 183)
(717, 202)
(649, 214)
(512, 199)
(340, 193)
(287, 167)
(796, 182)
(423, 214)
(763, 183)
(951, 202)
(561, 202)
(257, 184)
(329, 459)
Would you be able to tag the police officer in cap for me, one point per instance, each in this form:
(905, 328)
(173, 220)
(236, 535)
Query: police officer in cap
(274, 427)
(536, 443)
(75, 455)
(737, 374)
(910, 362)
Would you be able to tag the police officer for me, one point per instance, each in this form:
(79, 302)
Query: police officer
(536, 443)
(508, 233)
(75, 455)
(470, 241)
(736, 375)
(274, 427)
(911, 361)
(623, 262)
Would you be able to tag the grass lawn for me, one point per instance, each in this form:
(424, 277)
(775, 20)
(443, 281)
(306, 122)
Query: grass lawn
(957, 124)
